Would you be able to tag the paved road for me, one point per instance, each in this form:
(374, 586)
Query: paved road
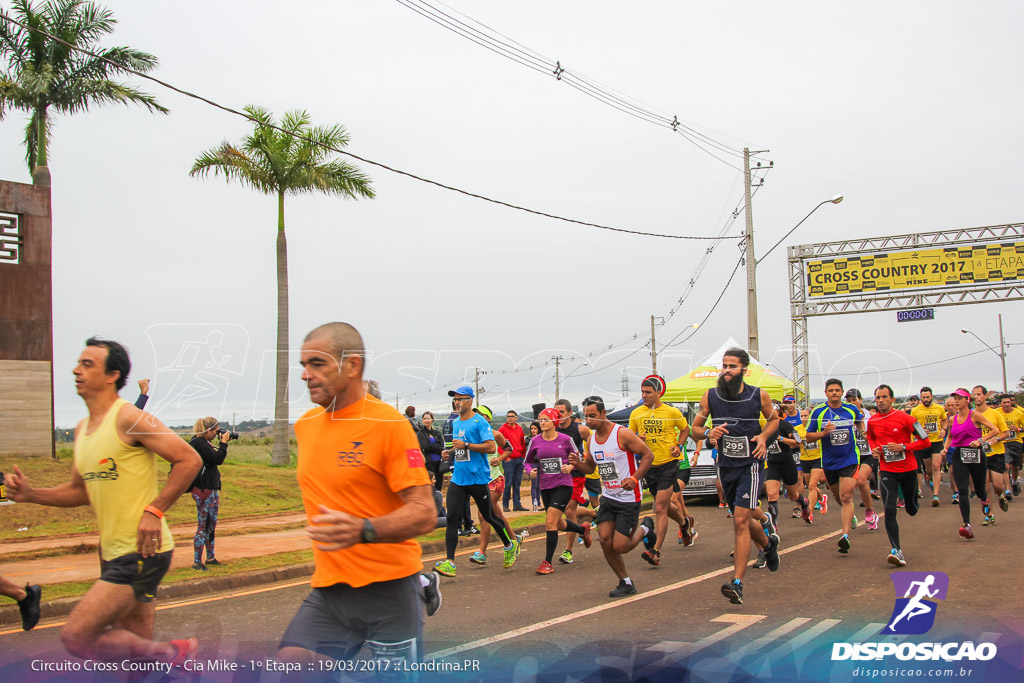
(520, 625)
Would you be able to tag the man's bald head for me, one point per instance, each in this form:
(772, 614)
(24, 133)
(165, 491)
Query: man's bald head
(343, 340)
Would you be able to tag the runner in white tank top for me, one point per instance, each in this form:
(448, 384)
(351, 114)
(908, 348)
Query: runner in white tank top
(622, 459)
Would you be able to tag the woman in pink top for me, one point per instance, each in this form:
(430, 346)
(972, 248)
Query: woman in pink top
(549, 456)
(967, 448)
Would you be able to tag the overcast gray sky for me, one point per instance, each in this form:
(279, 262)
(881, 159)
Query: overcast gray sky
(910, 110)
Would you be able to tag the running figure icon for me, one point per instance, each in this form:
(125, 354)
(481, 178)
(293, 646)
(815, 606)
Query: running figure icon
(916, 605)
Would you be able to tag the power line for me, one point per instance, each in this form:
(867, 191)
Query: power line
(524, 56)
(378, 164)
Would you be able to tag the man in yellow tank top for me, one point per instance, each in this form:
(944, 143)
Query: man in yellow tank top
(115, 473)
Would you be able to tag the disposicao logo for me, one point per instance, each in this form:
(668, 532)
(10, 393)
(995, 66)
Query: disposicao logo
(913, 614)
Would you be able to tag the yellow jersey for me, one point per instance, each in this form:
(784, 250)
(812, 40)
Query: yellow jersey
(659, 428)
(995, 416)
(930, 418)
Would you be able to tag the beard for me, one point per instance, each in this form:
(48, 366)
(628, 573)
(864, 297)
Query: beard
(730, 389)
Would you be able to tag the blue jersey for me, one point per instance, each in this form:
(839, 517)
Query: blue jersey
(793, 419)
(470, 467)
(839, 448)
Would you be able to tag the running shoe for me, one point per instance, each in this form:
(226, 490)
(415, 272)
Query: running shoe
(214, 563)
(187, 649)
(989, 520)
(761, 560)
(805, 514)
(29, 606)
(652, 556)
(973, 495)
(872, 519)
(769, 525)
(679, 539)
(445, 568)
(511, 553)
(895, 558)
(734, 591)
(935, 501)
(1004, 504)
(474, 530)
(579, 540)
(810, 518)
(844, 544)
(824, 503)
(545, 568)
(649, 537)
(900, 504)
(478, 558)
(797, 513)
(565, 557)
(956, 497)
(199, 567)
(919, 493)
(817, 506)
(463, 532)
(432, 593)
(586, 537)
(728, 515)
(772, 553)
(986, 509)
(622, 590)
(875, 496)
(721, 505)
(1016, 488)
(690, 535)
(966, 531)
(854, 523)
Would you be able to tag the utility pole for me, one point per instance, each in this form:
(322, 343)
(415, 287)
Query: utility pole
(654, 354)
(752, 347)
(625, 384)
(558, 380)
(1002, 353)
(476, 385)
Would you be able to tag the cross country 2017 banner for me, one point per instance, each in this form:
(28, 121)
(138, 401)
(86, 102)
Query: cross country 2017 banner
(915, 269)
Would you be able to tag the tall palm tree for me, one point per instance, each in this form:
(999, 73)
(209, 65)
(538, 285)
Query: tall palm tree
(288, 161)
(44, 73)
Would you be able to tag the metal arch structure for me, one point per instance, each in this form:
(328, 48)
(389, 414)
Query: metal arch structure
(1008, 287)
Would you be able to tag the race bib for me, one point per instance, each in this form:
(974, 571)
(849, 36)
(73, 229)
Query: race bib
(461, 454)
(810, 445)
(970, 456)
(607, 472)
(862, 445)
(839, 437)
(931, 427)
(551, 465)
(735, 446)
(774, 448)
(1013, 433)
(796, 457)
(893, 456)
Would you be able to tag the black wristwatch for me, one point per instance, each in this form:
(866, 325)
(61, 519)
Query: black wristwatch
(369, 534)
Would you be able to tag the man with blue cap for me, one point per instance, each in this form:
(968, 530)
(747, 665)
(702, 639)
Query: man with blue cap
(472, 444)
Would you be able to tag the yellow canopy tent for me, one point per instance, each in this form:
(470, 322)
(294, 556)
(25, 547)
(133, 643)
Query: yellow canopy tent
(690, 387)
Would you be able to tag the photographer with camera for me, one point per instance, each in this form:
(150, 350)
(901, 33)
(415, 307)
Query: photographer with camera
(206, 487)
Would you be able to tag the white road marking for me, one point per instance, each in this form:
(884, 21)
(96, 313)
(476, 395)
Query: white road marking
(866, 632)
(767, 638)
(515, 633)
(675, 650)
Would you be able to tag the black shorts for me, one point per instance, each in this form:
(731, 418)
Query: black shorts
(143, 575)
(996, 463)
(807, 465)
(832, 476)
(625, 515)
(741, 484)
(557, 497)
(384, 617)
(661, 477)
(872, 462)
(783, 470)
(593, 486)
(1014, 451)
(924, 459)
(683, 475)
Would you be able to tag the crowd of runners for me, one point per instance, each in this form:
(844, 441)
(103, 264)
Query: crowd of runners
(367, 490)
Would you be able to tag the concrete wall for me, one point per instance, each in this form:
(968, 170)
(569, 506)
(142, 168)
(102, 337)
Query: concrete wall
(26, 326)
(26, 421)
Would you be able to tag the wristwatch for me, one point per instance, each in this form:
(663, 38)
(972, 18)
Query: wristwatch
(369, 534)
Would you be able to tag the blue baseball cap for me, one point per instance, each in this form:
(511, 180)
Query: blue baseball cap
(464, 391)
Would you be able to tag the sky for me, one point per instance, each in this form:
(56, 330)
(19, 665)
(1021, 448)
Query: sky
(909, 110)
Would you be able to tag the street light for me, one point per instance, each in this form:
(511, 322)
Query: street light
(1002, 350)
(752, 263)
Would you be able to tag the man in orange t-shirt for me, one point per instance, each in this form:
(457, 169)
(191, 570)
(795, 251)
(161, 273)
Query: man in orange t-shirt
(367, 496)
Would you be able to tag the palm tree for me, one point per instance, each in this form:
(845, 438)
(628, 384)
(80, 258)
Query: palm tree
(287, 161)
(44, 73)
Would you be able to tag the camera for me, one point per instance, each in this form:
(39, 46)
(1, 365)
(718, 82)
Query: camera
(233, 435)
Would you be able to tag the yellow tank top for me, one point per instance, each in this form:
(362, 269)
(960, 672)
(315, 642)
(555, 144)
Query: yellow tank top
(121, 481)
